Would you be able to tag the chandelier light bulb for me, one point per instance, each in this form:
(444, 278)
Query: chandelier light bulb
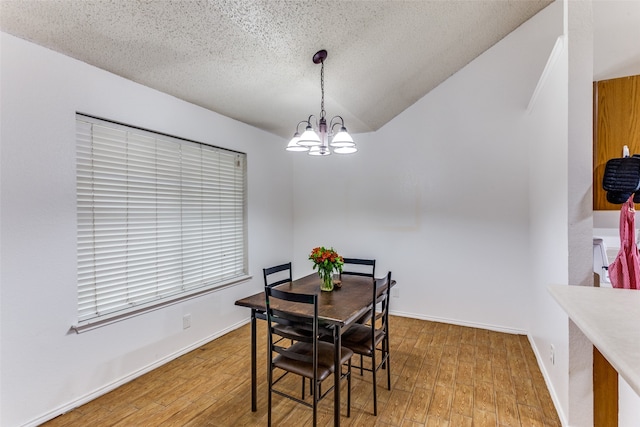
(293, 144)
(309, 138)
(345, 150)
(342, 139)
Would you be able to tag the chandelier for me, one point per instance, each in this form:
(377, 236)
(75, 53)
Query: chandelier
(315, 139)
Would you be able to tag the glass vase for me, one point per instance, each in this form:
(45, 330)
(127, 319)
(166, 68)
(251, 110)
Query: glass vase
(326, 283)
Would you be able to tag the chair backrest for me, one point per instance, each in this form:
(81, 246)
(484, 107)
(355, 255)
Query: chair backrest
(359, 267)
(282, 319)
(381, 298)
(274, 276)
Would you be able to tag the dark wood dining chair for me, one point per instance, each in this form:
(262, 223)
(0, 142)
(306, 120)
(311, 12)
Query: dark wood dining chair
(307, 356)
(274, 276)
(367, 339)
(278, 275)
(359, 267)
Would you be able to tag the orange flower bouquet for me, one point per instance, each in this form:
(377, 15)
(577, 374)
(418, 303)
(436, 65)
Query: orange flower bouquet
(326, 261)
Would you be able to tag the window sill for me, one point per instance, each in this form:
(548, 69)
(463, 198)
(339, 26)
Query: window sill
(89, 325)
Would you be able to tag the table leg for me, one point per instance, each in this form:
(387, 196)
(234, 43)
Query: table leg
(336, 375)
(254, 376)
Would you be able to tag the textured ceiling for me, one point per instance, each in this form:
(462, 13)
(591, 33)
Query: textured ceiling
(251, 59)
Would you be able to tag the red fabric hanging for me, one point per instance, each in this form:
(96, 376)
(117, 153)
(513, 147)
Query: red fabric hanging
(624, 271)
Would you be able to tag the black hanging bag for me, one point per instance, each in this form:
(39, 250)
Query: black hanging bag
(621, 178)
(622, 175)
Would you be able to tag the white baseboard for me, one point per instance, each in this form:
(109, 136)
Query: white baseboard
(460, 322)
(545, 375)
(133, 375)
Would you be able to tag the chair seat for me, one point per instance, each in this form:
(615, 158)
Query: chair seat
(325, 360)
(358, 339)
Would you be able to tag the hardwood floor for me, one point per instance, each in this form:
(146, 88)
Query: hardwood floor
(442, 375)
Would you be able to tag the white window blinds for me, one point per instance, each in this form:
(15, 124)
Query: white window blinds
(159, 218)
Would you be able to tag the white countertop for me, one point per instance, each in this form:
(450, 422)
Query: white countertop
(610, 318)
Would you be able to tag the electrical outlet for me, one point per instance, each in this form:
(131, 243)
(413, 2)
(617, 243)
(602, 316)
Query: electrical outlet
(395, 292)
(186, 321)
(552, 354)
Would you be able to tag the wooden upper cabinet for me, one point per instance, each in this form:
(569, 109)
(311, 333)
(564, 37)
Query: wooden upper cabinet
(616, 123)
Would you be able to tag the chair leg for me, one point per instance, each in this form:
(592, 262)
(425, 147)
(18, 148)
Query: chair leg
(349, 389)
(361, 371)
(375, 394)
(269, 381)
(316, 395)
(387, 362)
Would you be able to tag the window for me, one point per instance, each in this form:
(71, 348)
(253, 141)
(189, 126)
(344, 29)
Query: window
(159, 219)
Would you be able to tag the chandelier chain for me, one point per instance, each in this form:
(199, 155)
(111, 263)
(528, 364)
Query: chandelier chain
(322, 112)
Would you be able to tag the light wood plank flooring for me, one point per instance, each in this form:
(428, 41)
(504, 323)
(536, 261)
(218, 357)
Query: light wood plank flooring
(442, 375)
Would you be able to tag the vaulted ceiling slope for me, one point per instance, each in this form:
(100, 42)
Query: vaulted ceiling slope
(251, 59)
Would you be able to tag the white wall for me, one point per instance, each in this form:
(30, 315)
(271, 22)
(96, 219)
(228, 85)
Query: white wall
(46, 368)
(562, 217)
(579, 21)
(464, 196)
(546, 137)
(440, 194)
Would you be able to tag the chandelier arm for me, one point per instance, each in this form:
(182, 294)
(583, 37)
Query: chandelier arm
(298, 125)
(308, 122)
(332, 123)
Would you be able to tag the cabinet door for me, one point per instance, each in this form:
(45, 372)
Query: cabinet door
(616, 124)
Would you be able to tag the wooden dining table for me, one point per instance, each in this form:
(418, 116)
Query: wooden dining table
(337, 310)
